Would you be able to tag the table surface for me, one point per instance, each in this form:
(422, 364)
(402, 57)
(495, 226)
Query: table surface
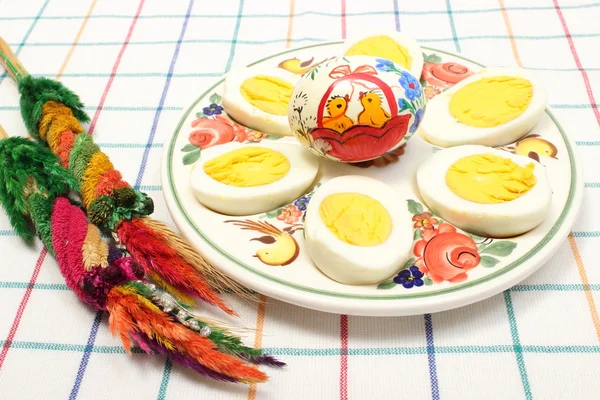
(138, 64)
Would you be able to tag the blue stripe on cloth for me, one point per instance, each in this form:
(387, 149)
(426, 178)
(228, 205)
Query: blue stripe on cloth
(236, 32)
(163, 97)
(587, 143)
(164, 383)
(592, 185)
(20, 45)
(309, 13)
(86, 356)
(396, 15)
(8, 232)
(452, 26)
(433, 378)
(518, 349)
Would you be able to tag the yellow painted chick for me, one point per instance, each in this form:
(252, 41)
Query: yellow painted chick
(337, 119)
(283, 248)
(372, 114)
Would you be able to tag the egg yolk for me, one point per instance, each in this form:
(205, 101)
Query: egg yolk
(384, 47)
(356, 219)
(491, 101)
(267, 93)
(489, 179)
(248, 166)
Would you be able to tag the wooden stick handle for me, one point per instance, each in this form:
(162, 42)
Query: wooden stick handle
(3, 134)
(9, 60)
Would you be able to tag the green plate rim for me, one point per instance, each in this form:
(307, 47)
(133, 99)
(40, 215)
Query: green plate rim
(534, 250)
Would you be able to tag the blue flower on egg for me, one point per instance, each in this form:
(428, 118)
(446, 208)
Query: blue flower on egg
(410, 277)
(302, 202)
(384, 65)
(412, 87)
(418, 119)
(213, 109)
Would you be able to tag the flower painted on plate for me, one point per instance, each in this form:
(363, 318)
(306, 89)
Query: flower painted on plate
(444, 74)
(445, 254)
(290, 214)
(424, 220)
(412, 87)
(384, 65)
(213, 109)
(256, 136)
(388, 158)
(209, 132)
(431, 92)
(410, 277)
(302, 202)
(418, 119)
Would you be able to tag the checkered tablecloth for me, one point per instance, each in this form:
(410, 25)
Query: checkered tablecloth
(138, 63)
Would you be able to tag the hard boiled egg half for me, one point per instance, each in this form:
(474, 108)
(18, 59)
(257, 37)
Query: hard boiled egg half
(485, 191)
(245, 179)
(390, 45)
(258, 98)
(357, 230)
(494, 107)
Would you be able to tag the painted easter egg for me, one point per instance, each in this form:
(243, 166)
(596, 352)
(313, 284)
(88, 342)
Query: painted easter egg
(356, 108)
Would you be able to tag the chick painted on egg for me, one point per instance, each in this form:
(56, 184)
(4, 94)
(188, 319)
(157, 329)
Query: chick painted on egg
(494, 107)
(356, 108)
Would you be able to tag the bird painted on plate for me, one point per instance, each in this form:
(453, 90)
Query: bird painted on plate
(372, 114)
(299, 67)
(337, 119)
(536, 145)
(283, 248)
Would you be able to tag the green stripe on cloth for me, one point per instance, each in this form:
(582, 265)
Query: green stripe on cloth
(517, 348)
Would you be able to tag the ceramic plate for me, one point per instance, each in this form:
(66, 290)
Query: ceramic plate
(500, 263)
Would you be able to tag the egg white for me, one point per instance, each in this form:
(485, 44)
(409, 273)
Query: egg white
(245, 113)
(358, 265)
(441, 129)
(410, 44)
(506, 219)
(234, 200)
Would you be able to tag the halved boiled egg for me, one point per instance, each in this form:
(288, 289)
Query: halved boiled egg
(357, 231)
(485, 191)
(245, 179)
(258, 98)
(390, 45)
(494, 107)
